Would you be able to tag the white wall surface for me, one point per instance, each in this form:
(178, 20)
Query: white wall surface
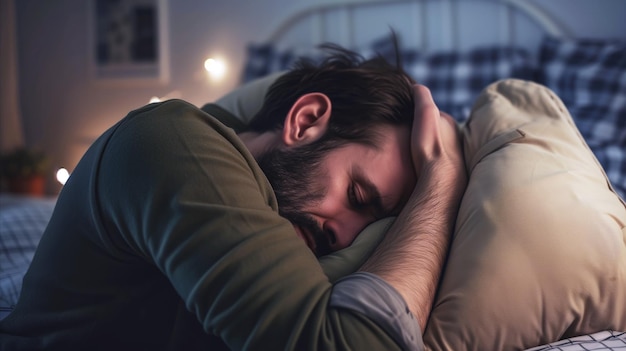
(64, 110)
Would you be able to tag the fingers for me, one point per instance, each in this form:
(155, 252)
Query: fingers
(424, 100)
(426, 134)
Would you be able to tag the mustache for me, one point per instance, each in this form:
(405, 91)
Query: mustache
(307, 223)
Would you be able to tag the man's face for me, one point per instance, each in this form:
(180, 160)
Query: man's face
(330, 196)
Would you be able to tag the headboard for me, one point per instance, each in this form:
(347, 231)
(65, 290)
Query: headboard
(432, 25)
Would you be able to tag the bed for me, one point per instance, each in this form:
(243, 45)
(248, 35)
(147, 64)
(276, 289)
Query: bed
(509, 39)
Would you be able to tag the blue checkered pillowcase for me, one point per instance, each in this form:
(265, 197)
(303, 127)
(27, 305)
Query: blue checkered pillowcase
(263, 59)
(457, 78)
(590, 78)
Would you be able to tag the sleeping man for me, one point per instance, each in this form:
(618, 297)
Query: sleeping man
(175, 232)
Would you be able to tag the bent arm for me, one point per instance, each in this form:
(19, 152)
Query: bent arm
(411, 256)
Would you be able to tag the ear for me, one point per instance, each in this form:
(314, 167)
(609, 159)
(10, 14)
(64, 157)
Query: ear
(307, 119)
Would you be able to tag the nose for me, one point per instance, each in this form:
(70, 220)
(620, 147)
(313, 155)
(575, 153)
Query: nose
(343, 230)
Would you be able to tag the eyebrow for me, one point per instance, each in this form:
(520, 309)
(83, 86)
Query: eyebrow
(373, 195)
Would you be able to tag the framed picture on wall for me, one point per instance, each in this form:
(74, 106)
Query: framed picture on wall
(129, 41)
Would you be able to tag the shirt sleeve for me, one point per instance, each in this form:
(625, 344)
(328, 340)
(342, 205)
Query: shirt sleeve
(368, 294)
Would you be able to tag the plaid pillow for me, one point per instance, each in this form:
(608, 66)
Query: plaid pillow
(590, 78)
(457, 78)
(263, 59)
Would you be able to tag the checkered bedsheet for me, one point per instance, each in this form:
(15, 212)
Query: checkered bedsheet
(22, 222)
(601, 341)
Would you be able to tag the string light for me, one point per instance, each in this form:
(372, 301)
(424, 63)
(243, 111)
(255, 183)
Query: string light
(215, 67)
(63, 175)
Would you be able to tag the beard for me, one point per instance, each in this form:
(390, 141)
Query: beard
(295, 177)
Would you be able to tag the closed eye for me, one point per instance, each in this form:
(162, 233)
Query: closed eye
(362, 200)
(355, 198)
(364, 195)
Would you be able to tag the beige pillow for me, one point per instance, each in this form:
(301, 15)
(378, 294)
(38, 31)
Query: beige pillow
(539, 251)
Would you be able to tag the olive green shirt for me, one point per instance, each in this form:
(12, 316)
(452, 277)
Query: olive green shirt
(167, 237)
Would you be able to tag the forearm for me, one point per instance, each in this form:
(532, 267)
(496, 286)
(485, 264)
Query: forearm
(411, 256)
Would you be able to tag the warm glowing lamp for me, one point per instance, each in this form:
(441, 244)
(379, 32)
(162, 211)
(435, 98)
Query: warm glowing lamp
(215, 67)
(62, 175)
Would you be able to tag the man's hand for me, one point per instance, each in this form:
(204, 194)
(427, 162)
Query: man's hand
(411, 256)
(434, 138)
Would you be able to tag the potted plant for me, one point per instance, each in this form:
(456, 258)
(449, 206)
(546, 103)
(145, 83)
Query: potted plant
(24, 171)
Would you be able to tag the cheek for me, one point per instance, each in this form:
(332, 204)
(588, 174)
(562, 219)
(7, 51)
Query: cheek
(334, 197)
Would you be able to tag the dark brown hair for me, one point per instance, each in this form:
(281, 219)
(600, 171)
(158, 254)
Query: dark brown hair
(364, 94)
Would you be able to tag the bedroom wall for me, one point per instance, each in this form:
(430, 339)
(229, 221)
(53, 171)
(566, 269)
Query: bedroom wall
(63, 110)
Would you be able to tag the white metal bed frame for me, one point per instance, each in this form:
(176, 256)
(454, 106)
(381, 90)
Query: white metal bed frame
(516, 22)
